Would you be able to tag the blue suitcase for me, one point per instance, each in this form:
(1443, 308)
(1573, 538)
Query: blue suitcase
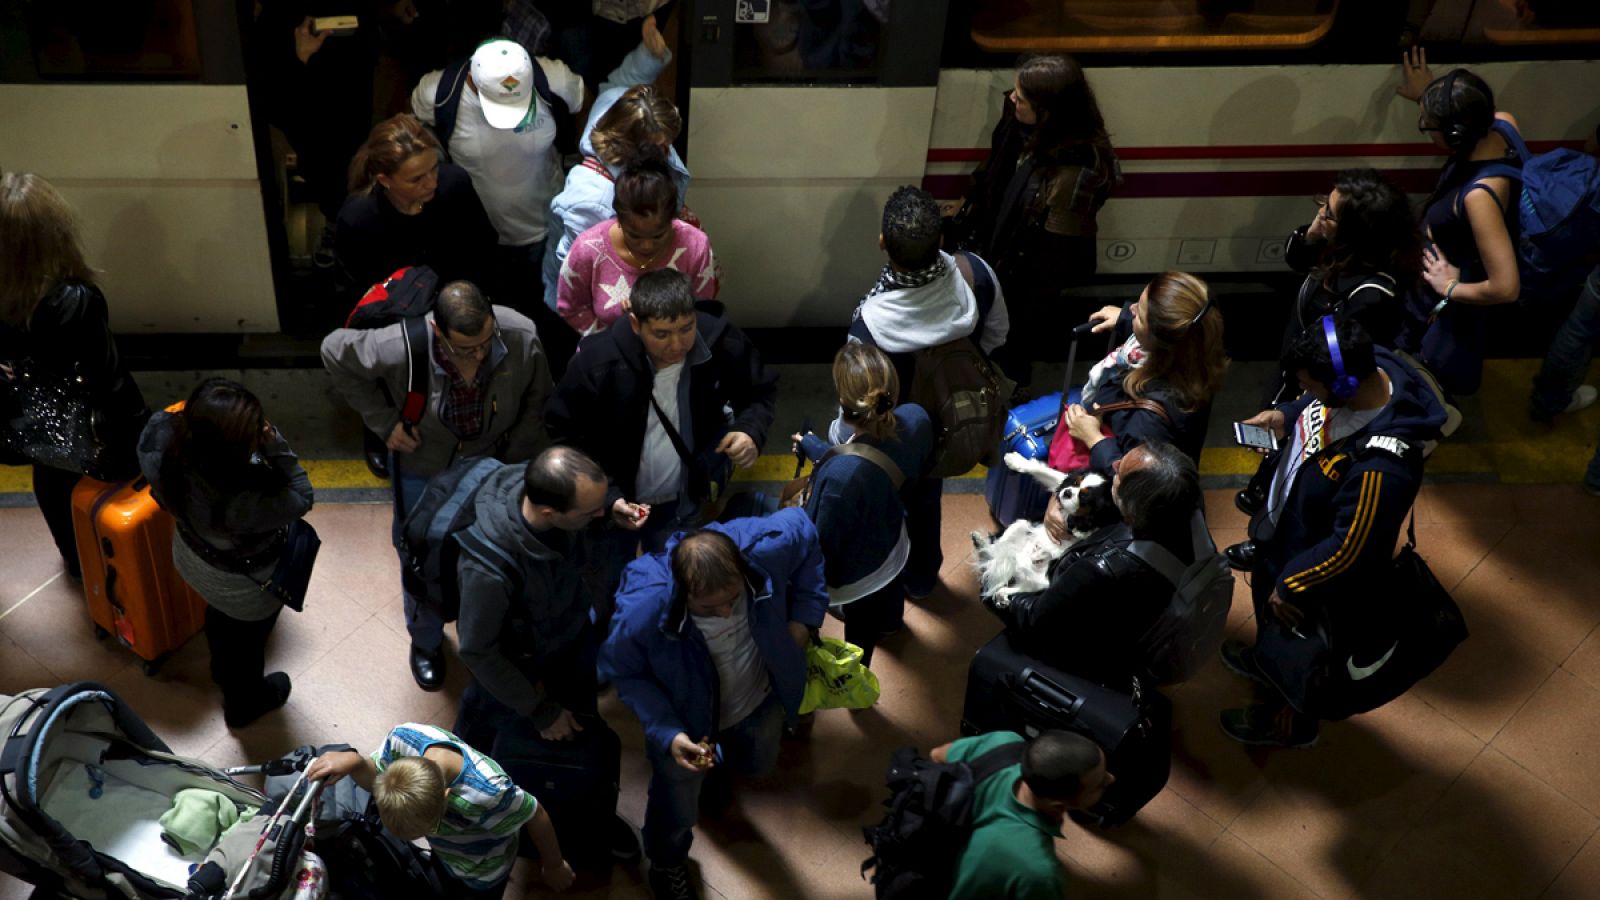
(1029, 428)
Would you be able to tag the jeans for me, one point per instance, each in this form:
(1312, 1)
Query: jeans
(568, 678)
(1568, 357)
(749, 747)
(422, 622)
(52, 489)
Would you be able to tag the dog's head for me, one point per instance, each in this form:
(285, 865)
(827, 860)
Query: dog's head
(1086, 500)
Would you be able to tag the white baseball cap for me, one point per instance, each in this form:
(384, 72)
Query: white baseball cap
(503, 73)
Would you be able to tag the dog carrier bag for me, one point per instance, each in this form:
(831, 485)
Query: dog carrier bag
(132, 588)
(1007, 691)
(84, 783)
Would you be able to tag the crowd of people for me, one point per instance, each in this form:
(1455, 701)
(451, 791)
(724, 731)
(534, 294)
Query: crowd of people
(575, 343)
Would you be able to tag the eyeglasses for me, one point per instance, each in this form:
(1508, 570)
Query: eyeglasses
(476, 351)
(1324, 211)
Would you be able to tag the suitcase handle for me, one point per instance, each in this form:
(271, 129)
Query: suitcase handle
(1047, 694)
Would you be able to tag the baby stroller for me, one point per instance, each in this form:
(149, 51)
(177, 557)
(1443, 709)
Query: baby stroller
(83, 785)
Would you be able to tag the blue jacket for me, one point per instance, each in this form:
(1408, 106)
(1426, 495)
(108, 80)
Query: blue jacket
(855, 507)
(656, 656)
(585, 201)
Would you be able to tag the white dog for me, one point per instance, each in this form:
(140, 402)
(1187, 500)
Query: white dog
(1018, 560)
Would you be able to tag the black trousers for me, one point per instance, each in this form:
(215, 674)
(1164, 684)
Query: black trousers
(52, 489)
(868, 620)
(238, 656)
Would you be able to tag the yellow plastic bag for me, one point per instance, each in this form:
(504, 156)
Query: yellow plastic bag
(836, 679)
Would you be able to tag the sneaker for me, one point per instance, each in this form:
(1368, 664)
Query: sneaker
(1582, 398)
(274, 693)
(624, 845)
(1240, 658)
(672, 883)
(1265, 725)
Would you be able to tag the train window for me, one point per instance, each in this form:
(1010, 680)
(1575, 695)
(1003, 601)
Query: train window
(112, 39)
(1122, 26)
(1532, 23)
(786, 40)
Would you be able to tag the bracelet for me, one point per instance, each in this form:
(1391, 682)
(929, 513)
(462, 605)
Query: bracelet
(1451, 288)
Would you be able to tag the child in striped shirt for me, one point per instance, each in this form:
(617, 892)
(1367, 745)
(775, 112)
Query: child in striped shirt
(429, 783)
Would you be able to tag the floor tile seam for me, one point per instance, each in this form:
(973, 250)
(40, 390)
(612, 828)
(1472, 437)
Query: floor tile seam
(1422, 814)
(1563, 663)
(1593, 813)
(1569, 863)
(1521, 706)
(1485, 555)
(31, 594)
(1270, 861)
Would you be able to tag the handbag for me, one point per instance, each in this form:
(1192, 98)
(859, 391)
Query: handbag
(835, 677)
(1068, 454)
(53, 423)
(291, 577)
(1325, 675)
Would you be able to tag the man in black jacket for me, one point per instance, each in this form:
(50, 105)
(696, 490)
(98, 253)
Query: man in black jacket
(1102, 598)
(646, 399)
(1322, 547)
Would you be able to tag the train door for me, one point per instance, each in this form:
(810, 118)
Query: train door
(802, 119)
(136, 111)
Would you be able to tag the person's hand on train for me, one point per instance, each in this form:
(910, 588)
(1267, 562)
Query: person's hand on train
(630, 516)
(307, 42)
(1084, 425)
(738, 447)
(653, 41)
(401, 440)
(1104, 319)
(1415, 76)
(1438, 271)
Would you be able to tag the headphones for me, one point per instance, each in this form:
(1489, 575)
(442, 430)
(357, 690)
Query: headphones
(1454, 132)
(1344, 385)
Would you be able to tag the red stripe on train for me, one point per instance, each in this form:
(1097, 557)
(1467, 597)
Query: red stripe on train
(1250, 151)
(1154, 185)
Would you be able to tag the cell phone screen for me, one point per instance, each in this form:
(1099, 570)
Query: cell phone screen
(1254, 436)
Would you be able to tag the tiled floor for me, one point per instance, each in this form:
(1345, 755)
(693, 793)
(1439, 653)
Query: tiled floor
(1482, 782)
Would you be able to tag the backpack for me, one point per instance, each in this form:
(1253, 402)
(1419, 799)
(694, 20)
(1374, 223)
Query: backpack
(1555, 223)
(1189, 631)
(917, 845)
(407, 296)
(447, 103)
(430, 537)
(962, 391)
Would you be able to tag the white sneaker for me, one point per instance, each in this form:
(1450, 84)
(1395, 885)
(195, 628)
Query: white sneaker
(1582, 398)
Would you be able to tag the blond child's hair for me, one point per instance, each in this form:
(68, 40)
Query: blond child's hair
(411, 797)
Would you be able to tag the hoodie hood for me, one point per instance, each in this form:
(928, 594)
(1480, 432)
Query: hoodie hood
(499, 516)
(1414, 413)
(903, 321)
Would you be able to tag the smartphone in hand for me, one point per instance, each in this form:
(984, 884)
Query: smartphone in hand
(1254, 436)
(335, 26)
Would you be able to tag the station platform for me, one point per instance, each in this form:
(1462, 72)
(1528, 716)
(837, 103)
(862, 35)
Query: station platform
(1482, 782)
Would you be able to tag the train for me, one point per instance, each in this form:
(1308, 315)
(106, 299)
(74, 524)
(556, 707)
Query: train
(801, 118)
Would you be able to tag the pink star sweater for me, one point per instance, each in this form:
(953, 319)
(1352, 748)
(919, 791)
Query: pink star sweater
(596, 281)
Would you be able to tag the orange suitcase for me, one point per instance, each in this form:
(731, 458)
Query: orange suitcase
(133, 591)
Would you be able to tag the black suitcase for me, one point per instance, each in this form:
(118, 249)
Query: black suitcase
(575, 781)
(1007, 691)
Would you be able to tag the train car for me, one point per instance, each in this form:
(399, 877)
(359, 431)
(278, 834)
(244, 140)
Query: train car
(802, 117)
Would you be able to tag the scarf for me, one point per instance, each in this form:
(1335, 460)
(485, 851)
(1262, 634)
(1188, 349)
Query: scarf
(890, 280)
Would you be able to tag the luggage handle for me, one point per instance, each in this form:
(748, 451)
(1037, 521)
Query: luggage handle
(1047, 694)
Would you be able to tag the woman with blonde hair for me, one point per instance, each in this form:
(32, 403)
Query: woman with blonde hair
(408, 207)
(863, 489)
(70, 406)
(1158, 384)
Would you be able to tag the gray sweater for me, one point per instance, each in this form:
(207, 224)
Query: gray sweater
(369, 366)
(513, 622)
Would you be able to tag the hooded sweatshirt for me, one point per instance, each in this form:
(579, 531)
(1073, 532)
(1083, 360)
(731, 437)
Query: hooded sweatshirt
(911, 319)
(1338, 520)
(525, 596)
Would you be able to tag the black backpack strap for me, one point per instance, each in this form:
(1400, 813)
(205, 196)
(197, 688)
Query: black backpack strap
(541, 84)
(982, 286)
(995, 760)
(418, 371)
(860, 331)
(447, 99)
